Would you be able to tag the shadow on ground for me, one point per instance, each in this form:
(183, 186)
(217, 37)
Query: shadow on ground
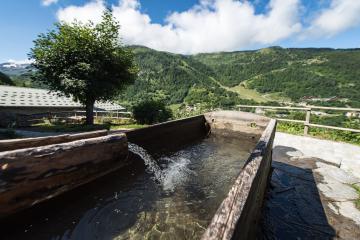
(293, 208)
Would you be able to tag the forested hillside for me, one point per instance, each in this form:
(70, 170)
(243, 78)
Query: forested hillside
(176, 79)
(215, 79)
(5, 80)
(295, 73)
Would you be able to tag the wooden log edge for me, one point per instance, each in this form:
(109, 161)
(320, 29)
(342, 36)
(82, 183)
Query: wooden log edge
(32, 175)
(14, 144)
(250, 185)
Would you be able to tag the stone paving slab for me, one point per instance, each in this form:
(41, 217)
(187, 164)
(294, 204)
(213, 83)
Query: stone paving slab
(310, 195)
(345, 155)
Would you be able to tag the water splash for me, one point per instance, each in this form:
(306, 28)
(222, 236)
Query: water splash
(150, 163)
(176, 173)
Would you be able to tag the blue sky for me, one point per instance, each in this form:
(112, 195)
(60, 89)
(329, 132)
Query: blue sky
(189, 26)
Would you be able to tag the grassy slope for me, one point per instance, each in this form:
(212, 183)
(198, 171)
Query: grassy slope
(250, 94)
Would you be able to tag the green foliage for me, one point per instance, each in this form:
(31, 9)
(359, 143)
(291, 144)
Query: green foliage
(357, 201)
(209, 78)
(334, 135)
(166, 76)
(294, 73)
(151, 111)
(5, 80)
(332, 119)
(227, 78)
(25, 80)
(85, 61)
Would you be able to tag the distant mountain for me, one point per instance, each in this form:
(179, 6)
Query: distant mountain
(176, 79)
(20, 74)
(319, 76)
(11, 68)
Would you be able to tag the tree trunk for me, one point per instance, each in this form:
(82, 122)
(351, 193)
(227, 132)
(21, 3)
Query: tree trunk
(90, 112)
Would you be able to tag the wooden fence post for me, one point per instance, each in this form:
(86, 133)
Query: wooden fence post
(307, 121)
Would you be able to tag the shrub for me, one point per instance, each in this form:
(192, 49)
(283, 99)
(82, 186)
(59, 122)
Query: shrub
(151, 111)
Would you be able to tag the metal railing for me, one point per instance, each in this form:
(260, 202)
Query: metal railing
(308, 110)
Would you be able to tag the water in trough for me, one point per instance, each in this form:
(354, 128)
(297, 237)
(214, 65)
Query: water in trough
(170, 195)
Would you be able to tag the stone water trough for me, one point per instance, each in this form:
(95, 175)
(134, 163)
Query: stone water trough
(37, 169)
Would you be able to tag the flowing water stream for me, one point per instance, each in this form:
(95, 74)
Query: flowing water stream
(149, 161)
(171, 195)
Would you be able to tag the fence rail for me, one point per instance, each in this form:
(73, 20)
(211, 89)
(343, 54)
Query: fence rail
(308, 110)
(69, 116)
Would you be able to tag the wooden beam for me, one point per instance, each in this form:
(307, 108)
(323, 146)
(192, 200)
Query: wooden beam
(302, 108)
(273, 107)
(307, 121)
(14, 144)
(32, 175)
(335, 128)
(239, 213)
(290, 120)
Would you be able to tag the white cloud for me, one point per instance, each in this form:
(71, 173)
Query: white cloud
(49, 2)
(340, 16)
(90, 11)
(212, 25)
(16, 63)
(24, 61)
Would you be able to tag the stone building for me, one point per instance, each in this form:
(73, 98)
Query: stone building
(15, 101)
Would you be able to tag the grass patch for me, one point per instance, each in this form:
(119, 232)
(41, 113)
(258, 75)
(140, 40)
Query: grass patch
(127, 126)
(175, 107)
(357, 201)
(248, 93)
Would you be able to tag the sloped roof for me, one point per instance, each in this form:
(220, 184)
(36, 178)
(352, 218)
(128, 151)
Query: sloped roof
(33, 97)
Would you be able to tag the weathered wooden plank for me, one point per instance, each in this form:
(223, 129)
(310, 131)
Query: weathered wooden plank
(169, 135)
(32, 175)
(237, 215)
(334, 128)
(273, 107)
(13, 144)
(290, 120)
(302, 108)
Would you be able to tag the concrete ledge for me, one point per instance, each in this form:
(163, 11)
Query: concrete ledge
(238, 215)
(236, 121)
(32, 175)
(14, 144)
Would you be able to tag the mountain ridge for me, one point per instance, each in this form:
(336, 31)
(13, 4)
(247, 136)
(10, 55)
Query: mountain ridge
(222, 78)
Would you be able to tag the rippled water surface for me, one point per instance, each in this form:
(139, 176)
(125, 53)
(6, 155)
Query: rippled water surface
(175, 199)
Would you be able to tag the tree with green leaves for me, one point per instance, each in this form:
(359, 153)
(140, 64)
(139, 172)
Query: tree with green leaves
(86, 61)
